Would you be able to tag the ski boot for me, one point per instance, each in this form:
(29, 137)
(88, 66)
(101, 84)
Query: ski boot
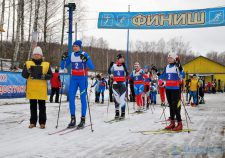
(179, 126)
(72, 123)
(122, 117)
(117, 114)
(82, 123)
(171, 126)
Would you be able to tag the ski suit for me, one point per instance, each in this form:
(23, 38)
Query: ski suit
(79, 78)
(138, 78)
(102, 87)
(172, 74)
(119, 88)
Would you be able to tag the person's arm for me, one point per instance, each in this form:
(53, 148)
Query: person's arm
(94, 83)
(110, 68)
(65, 62)
(25, 72)
(86, 58)
(47, 76)
(163, 75)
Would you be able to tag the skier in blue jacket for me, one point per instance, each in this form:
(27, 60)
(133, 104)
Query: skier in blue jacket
(80, 61)
(102, 87)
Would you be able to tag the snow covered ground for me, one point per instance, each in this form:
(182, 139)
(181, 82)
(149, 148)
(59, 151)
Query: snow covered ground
(112, 140)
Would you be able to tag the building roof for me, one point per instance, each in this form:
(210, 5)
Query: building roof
(204, 58)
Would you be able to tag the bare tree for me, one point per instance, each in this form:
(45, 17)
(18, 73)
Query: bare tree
(8, 20)
(30, 19)
(35, 27)
(14, 19)
(2, 21)
(17, 45)
(63, 27)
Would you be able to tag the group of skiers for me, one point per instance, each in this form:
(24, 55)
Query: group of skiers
(145, 83)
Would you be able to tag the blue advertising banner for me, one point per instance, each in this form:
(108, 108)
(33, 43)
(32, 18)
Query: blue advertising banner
(210, 17)
(13, 85)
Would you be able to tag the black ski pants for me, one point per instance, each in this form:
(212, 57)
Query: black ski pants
(173, 97)
(33, 111)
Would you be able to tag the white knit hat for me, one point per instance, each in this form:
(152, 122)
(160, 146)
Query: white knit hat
(37, 50)
(172, 55)
(137, 64)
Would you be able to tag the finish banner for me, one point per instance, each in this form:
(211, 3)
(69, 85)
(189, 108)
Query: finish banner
(210, 17)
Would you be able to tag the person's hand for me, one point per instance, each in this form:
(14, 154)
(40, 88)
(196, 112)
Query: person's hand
(43, 77)
(83, 58)
(29, 71)
(111, 75)
(111, 64)
(64, 56)
(178, 64)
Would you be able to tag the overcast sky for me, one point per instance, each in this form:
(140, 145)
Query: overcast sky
(202, 40)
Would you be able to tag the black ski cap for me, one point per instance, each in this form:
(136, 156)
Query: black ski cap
(119, 56)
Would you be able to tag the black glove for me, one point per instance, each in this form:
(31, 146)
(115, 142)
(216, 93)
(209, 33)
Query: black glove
(28, 71)
(83, 58)
(111, 64)
(64, 56)
(178, 64)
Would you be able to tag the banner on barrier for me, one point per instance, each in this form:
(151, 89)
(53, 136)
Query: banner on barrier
(210, 17)
(13, 85)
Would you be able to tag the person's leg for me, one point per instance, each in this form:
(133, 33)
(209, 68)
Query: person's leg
(177, 109)
(42, 113)
(52, 94)
(195, 97)
(102, 97)
(33, 112)
(122, 105)
(72, 91)
(57, 95)
(83, 84)
(172, 113)
(116, 95)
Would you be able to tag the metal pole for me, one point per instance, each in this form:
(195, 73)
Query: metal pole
(75, 31)
(128, 36)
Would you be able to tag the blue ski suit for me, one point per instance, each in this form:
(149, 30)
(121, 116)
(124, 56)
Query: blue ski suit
(79, 78)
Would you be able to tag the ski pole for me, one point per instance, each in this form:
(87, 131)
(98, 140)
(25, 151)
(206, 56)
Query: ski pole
(87, 98)
(128, 110)
(182, 101)
(60, 101)
(108, 97)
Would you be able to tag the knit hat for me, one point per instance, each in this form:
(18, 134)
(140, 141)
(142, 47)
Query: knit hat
(172, 55)
(145, 67)
(119, 56)
(78, 43)
(37, 50)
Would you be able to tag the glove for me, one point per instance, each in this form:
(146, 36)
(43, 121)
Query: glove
(43, 77)
(179, 65)
(28, 71)
(111, 64)
(64, 56)
(83, 58)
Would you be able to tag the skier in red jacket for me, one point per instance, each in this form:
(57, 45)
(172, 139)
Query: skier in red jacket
(56, 85)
